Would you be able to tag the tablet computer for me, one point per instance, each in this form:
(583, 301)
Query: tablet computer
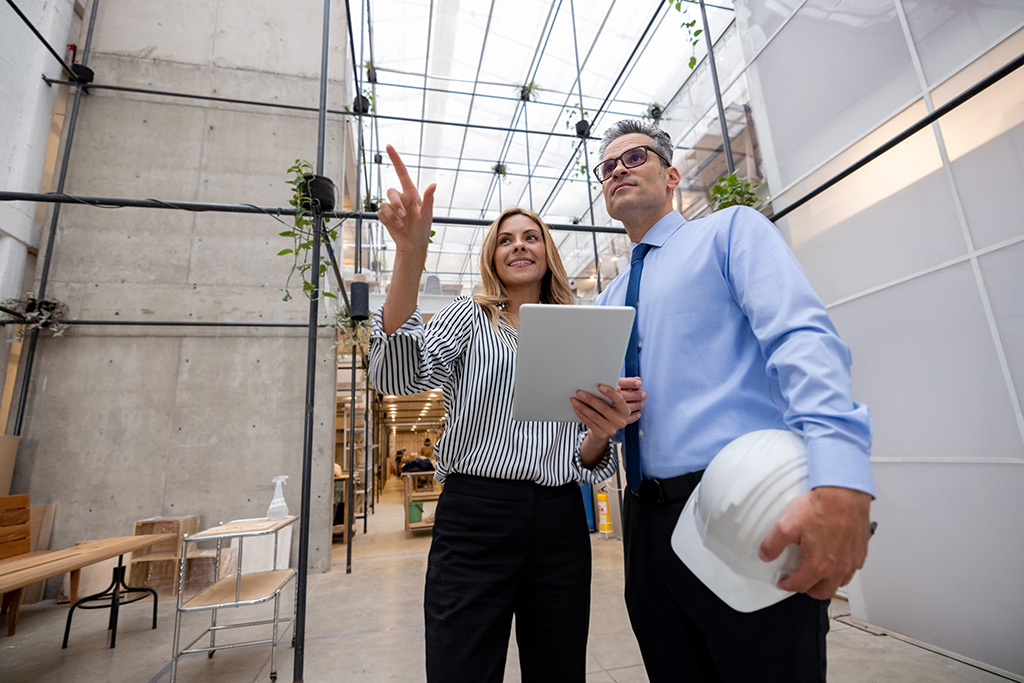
(565, 348)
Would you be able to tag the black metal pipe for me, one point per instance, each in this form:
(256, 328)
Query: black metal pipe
(718, 91)
(494, 83)
(314, 311)
(506, 98)
(18, 317)
(33, 340)
(966, 95)
(273, 211)
(293, 107)
(43, 40)
(179, 323)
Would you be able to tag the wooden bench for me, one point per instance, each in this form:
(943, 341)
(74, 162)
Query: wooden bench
(19, 567)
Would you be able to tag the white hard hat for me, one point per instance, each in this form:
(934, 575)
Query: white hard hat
(740, 498)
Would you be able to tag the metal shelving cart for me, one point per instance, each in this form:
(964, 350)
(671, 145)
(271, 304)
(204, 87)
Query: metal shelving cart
(233, 590)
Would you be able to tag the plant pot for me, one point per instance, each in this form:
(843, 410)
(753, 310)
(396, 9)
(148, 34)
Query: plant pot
(583, 129)
(371, 74)
(359, 299)
(378, 158)
(526, 94)
(361, 105)
(83, 73)
(319, 190)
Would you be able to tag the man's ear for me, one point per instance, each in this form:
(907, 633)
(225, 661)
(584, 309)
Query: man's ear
(673, 177)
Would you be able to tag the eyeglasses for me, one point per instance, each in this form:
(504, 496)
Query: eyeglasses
(631, 158)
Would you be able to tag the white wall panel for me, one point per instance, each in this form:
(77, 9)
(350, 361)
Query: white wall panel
(946, 563)
(892, 218)
(949, 33)
(833, 73)
(925, 364)
(1003, 271)
(985, 142)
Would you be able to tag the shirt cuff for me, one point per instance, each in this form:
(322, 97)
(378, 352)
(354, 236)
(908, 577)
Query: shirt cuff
(837, 462)
(414, 323)
(604, 468)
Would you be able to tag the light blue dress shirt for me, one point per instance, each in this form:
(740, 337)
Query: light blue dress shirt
(732, 339)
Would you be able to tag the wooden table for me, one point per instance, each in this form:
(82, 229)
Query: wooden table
(22, 570)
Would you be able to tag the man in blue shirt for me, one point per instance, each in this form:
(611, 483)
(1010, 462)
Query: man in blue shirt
(730, 339)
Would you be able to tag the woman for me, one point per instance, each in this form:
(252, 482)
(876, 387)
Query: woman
(510, 534)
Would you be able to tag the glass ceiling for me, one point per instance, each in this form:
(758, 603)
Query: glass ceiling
(461, 65)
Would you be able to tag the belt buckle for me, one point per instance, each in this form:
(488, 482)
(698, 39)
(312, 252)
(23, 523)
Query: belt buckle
(650, 491)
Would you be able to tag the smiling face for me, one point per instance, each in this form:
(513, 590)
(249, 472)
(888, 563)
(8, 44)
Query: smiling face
(638, 196)
(520, 258)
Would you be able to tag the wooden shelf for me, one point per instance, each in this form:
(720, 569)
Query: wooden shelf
(255, 587)
(245, 527)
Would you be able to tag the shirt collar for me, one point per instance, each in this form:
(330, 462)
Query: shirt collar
(663, 229)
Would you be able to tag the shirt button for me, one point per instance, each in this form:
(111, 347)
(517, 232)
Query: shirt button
(641, 432)
(639, 345)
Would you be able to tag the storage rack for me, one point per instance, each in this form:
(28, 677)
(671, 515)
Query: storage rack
(234, 590)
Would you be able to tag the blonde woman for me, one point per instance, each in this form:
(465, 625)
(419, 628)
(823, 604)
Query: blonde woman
(510, 535)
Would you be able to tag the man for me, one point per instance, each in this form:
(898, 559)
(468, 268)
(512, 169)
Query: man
(730, 338)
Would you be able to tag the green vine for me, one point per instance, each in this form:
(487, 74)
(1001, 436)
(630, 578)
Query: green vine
(691, 35)
(302, 237)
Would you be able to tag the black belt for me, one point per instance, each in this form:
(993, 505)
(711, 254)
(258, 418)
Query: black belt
(660, 491)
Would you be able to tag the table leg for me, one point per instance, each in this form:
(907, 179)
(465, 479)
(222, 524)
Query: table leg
(12, 605)
(76, 575)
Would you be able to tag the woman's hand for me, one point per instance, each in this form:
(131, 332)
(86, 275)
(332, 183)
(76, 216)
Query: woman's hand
(406, 216)
(602, 419)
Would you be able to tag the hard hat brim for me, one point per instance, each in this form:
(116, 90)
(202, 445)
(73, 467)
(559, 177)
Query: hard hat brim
(739, 592)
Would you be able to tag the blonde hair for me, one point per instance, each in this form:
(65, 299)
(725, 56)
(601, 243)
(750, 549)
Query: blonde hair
(554, 288)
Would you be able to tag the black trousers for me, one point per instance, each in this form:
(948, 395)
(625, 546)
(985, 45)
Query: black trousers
(502, 548)
(686, 633)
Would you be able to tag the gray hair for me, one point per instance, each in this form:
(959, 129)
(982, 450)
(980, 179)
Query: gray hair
(660, 140)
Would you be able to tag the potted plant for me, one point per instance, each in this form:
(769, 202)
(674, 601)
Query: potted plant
(36, 314)
(371, 71)
(528, 92)
(654, 112)
(500, 170)
(372, 204)
(731, 190)
(312, 195)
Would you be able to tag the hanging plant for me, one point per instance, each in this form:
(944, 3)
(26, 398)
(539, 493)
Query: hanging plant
(500, 170)
(372, 204)
(351, 333)
(36, 314)
(654, 112)
(311, 194)
(529, 92)
(731, 190)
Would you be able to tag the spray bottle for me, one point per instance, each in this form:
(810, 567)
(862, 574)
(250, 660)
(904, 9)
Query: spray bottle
(278, 508)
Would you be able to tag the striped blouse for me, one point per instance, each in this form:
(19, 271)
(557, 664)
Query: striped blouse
(461, 351)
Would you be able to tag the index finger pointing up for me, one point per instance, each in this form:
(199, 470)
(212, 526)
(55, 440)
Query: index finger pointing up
(400, 169)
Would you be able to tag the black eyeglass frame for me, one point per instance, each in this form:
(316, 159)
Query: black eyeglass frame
(647, 148)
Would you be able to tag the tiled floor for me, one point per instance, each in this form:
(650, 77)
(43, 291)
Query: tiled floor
(367, 626)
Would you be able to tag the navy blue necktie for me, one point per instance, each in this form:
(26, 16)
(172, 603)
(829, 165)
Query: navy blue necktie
(634, 473)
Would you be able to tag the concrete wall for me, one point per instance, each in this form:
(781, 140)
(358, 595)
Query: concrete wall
(130, 422)
(919, 257)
